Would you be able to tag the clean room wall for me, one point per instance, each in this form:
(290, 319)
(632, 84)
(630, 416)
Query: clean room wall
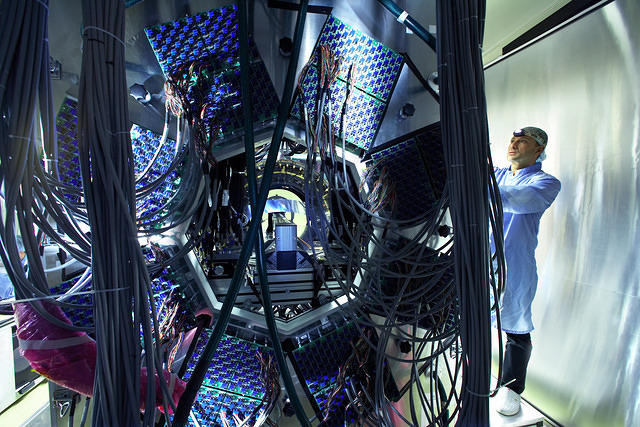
(581, 84)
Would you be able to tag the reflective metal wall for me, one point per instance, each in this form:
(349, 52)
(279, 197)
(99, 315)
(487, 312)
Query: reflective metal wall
(581, 84)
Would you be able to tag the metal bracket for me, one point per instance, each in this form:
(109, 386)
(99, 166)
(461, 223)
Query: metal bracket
(63, 398)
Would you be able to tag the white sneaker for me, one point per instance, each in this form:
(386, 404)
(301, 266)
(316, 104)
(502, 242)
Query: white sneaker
(507, 401)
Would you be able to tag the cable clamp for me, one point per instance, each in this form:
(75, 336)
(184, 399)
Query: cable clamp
(403, 17)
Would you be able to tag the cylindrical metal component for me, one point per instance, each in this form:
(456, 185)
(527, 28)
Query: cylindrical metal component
(286, 237)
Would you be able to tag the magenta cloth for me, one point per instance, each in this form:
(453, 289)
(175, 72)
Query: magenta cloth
(68, 357)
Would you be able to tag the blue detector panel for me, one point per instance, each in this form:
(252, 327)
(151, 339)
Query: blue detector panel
(78, 316)
(144, 144)
(212, 35)
(234, 367)
(232, 385)
(374, 66)
(366, 64)
(415, 163)
(318, 360)
(216, 98)
(211, 404)
(68, 162)
(362, 115)
(206, 48)
(161, 286)
(318, 363)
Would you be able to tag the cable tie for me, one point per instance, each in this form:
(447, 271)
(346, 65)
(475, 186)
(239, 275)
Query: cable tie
(121, 132)
(19, 137)
(50, 297)
(43, 4)
(93, 27)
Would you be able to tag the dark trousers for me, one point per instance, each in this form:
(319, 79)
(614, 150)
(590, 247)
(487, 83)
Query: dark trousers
(516, 359)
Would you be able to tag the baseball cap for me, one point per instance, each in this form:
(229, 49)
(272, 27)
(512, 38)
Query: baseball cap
(538, 135)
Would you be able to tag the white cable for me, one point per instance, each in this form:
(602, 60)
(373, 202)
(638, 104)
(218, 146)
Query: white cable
(61, 266)
(93, 27)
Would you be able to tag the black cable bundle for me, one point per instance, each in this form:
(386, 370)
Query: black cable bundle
(25, 88)
(22, 47)
(120, 279)
(397, 274)
(466, 146)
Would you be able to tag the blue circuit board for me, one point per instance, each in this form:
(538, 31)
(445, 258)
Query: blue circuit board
(234, 367)
(211, 403)
(68, 162)
(212, 34)
(319, 360)
(161, 287)
(78, 316)
(416, 171)
(166, 280)
(209, 42)
(144, 144)
(429, 142)
(222, 97)
(366, 64)
(362, 117)
(374, 66)
(232, 383)
(340, 413)
(84, 316)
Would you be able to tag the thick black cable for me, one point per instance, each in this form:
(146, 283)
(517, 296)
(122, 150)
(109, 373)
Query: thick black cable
(106, 160)
(187, 399)
(23, 80)
(247, 107)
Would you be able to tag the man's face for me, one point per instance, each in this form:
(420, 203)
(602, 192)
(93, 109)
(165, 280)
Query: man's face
(523, 151)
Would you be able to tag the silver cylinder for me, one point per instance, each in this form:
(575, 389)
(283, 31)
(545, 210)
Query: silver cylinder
(286, 237)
